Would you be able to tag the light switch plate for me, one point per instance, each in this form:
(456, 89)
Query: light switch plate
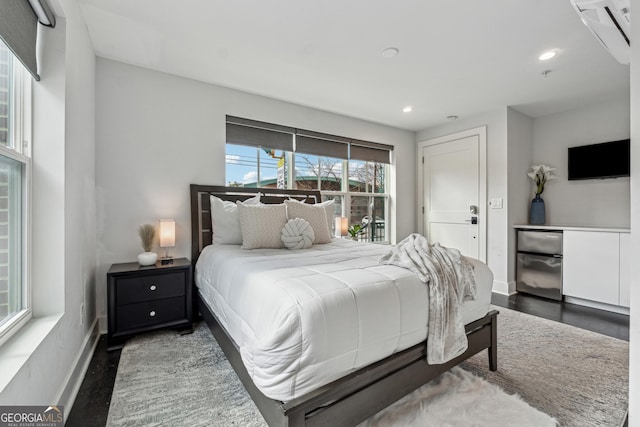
(496, 203)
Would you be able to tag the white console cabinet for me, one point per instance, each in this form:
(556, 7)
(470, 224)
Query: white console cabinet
(596, 266)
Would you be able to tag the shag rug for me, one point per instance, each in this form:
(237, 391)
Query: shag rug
(578, 377)
(458, 398)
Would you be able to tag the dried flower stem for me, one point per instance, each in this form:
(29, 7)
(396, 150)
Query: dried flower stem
(147, 233)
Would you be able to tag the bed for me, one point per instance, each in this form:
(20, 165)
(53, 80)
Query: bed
(363, 359)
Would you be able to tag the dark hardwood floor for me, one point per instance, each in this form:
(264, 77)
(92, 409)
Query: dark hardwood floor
(92, 403)
(600, 321)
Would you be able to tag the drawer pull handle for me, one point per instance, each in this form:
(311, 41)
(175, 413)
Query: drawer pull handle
(152, 314)
(152, 287)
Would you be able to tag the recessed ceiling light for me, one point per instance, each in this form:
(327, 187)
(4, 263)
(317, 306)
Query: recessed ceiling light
(407, 109)
(547, 55)
(390, 52)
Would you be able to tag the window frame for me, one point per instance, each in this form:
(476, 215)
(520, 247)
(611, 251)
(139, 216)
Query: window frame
(346, 195)
(344, 192)
(20, 105)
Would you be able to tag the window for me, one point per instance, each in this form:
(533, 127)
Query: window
(15, 168)
(255, 167)
(351, 172)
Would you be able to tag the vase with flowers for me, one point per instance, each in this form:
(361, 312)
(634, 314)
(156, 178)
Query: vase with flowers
(540, 174)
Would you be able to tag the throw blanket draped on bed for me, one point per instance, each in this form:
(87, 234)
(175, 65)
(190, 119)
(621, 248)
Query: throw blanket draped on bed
(449, 278)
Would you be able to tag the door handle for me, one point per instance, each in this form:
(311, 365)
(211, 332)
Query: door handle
(473, 209)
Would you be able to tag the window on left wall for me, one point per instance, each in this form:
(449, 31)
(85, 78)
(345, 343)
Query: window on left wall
(15, 176)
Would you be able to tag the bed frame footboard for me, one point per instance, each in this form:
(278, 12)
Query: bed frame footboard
(354, 398)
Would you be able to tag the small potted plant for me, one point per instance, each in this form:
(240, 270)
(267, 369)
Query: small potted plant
(147, 235)
(355, 230)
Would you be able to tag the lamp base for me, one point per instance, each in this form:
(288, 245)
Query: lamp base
(166, 260)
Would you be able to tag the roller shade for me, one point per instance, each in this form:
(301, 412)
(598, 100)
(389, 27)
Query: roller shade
(370, 151)
(260, 125)
(322, 136)
(255, 133)
(321, 147)
(19, 29)
(258, 134)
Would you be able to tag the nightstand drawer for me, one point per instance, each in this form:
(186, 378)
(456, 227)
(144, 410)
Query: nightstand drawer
(143, 314)
(148, 288)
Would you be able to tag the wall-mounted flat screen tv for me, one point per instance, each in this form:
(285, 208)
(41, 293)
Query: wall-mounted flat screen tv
(598, 161)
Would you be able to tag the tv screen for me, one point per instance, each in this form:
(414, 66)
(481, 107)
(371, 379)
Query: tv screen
(606, 160)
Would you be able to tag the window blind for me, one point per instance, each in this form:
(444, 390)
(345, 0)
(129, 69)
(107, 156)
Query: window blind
(19, 29)
(268, 135)
(321, 147)
(370, 151)
(259, 134)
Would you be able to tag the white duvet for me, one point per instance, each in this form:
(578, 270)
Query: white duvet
(305, 318)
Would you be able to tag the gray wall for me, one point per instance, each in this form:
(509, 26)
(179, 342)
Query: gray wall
(520, 154)
(514, 143)
(600, 202)
(157, 133)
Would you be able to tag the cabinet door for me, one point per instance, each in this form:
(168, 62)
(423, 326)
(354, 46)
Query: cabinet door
(625, 269)
(591, 265)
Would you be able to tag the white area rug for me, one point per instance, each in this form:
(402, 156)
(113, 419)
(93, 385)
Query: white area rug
(458, 398)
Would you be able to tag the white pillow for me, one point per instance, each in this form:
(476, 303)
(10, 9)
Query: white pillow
(225, 223)
(262, 225)
(297, 234)
(316, 215)
(329, 207)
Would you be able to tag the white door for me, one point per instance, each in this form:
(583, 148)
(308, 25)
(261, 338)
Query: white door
(452, 186)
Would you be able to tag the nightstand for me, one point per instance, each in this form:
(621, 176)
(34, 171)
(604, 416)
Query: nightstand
(142, 299)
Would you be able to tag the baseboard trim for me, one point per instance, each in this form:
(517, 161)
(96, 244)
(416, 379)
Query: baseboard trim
(598, 305)
(102, 320)
(74, 379)
(504, 288)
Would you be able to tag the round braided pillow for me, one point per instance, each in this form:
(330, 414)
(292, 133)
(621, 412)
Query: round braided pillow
(297, 234)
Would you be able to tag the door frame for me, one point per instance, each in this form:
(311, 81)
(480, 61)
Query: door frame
(481, 133)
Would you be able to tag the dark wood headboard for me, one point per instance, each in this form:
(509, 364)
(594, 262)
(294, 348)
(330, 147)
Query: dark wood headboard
(201, 234)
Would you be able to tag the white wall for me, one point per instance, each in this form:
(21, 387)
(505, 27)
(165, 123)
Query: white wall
(79, 326)
(603, 202)
(520, 155)
(634, 334)
(497, 234)
(63, 218)
(157, 133)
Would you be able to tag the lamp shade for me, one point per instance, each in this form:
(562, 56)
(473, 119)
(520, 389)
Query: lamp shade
(342, 224)
(167, 233)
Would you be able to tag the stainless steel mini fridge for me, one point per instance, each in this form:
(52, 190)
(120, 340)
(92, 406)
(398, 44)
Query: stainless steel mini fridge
(539, 263)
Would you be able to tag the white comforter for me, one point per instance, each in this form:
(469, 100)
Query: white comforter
(305, 318)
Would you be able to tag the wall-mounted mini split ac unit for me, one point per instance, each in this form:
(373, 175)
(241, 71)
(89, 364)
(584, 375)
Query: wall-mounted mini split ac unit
(610, 22)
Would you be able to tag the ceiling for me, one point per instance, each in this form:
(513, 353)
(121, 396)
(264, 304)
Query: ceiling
(456, 58)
